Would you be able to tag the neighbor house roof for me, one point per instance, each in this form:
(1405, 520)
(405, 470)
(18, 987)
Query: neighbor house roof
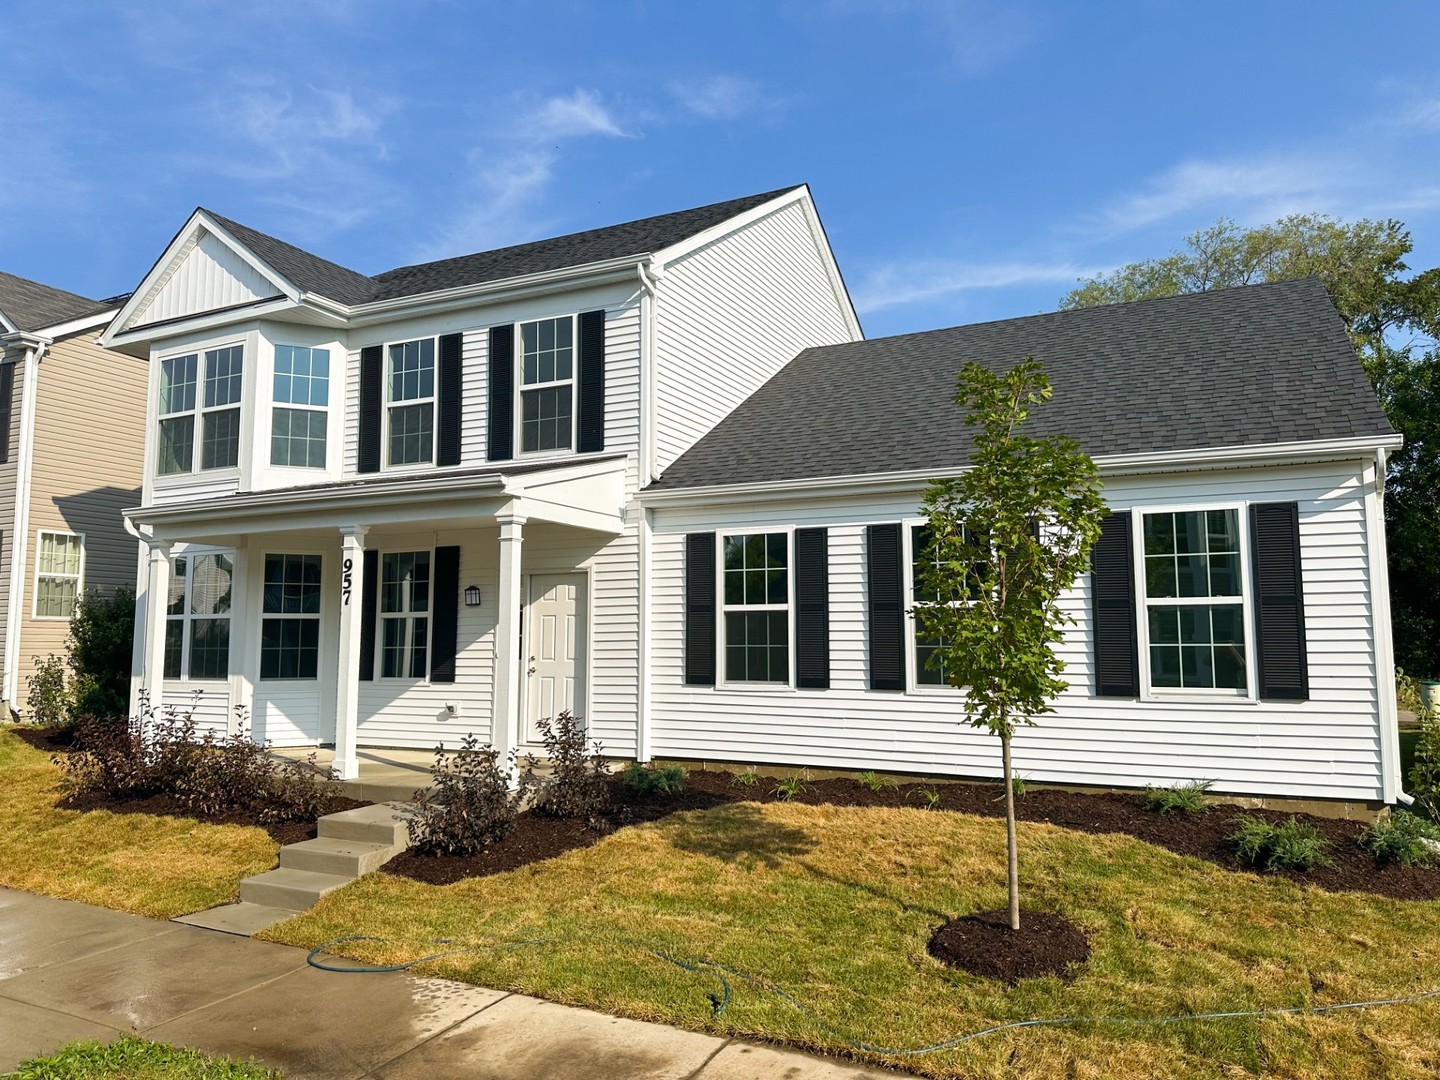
(633, 238)
(28, 305)
(1238, 367)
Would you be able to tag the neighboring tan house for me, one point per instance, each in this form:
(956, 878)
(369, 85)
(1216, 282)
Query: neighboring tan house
(653, 474)
(72, 436)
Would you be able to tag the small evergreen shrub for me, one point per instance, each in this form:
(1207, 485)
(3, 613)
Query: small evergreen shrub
(1401, 837)
(655, 779)
(102, 635)
(873, 781)
(789, 788)
(470, 804)
(748, 779)
(1289, 845)
(1186, 798)
(578, 784)
(48, 696)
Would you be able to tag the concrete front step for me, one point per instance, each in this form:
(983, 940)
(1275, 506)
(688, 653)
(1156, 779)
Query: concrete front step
(295, 890)
(240, 919)
(380, 823)
(346, 858)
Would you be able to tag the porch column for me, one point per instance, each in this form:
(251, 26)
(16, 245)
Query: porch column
(347, 680)
(157, 595)
(505, 717)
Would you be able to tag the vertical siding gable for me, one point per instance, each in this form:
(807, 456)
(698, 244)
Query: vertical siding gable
(206, 277)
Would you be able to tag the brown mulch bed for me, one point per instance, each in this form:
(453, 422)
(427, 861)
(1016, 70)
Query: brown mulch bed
(48, 740)
(1203, 835)
(983, 944)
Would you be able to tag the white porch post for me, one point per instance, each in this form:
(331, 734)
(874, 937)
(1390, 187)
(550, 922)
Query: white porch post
(157, 593)
(505, 718)
(347, 681)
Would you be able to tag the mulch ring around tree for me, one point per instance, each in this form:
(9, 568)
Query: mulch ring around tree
(1204, 835)
(983, 944)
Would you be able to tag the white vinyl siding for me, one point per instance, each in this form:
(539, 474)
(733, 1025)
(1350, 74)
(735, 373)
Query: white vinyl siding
(1327, 747)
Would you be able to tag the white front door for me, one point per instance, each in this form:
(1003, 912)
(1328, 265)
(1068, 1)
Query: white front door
(555, 649)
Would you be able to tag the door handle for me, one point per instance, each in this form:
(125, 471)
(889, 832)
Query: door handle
(530, 672)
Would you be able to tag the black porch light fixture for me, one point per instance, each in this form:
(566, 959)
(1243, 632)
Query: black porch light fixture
(472, 595)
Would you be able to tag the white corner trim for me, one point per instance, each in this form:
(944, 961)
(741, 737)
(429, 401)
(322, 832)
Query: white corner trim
(20, 530)
(1392, 784)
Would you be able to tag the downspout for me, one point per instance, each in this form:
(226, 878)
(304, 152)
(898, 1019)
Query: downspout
(14, 609)
(1394, 783)
(647, 472)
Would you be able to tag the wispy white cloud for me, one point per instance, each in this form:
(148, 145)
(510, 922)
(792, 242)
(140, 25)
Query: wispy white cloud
(724, 97)
(564, 117)
(918, 281)
(980, 34)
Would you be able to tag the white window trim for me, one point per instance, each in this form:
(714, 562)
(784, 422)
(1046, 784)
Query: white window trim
(387, 404)
(187, 616)
(521, 387)
(323, 410)
(913, 685)
(723, 680)
(197, 448)
(79, 578)
(381, 616)
(1142, 606)
(315, 616)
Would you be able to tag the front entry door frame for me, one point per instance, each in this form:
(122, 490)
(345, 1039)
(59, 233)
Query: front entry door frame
(583, 580)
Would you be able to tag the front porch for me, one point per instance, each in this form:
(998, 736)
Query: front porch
(381, 775)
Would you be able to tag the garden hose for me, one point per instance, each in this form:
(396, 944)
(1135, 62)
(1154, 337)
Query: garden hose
(720, 1001)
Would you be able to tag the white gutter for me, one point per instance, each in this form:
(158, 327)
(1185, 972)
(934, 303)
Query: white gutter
(34, 347)
(1108, 464)
(648, 282)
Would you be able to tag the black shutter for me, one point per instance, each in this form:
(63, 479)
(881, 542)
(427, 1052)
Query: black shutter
(592, 382)
(372, 407)
(1284, 673)
(450, 391)
(445, 614)
(885, 581)
(812, 609)
(501, 440)
(700, 609)
(369, 604)
(1112, 594)
(7, 401)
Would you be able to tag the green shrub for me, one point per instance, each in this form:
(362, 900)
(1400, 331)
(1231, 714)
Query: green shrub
(1188, 798)
(1400, 838)
(102, 635)
(49, 696)
(655, 779)
(470, 804)
(1407, 692)
(874, 781)
(789, 788)
(749, 778)
(1289, 845)
(1425, 772)
(578, 783)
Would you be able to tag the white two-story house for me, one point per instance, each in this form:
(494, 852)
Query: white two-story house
(653, 474)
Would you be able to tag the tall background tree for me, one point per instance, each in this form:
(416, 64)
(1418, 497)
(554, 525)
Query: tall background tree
(1003, 541)
(1394, 320)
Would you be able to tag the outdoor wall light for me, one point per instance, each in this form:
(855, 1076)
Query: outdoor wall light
(472, 596)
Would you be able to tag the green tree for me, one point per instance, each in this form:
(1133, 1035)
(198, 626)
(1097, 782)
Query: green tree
(1004, 540)
(102, 635)
(1394, 322)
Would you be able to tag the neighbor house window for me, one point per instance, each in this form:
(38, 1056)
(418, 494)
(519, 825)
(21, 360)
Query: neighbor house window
(59, 571)
(547, 391)
(290, 617)
(302, 397)
(410, 402)
(1194, 601)
(756, 591)
(404, 614)
(200, 390)
(197, 616)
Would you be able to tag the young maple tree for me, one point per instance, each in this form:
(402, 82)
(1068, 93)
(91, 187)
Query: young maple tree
(1004, 541)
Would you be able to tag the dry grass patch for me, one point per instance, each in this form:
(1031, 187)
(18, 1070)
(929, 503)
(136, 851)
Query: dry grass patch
(835, 905)
(156, 866)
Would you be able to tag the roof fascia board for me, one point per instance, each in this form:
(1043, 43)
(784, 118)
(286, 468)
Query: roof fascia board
(719, 231)
(832, 268)
(171, 328)
(75, 326)
(1294, 453)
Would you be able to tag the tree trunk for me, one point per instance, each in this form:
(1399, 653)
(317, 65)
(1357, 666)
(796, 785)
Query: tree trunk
(1013, 852)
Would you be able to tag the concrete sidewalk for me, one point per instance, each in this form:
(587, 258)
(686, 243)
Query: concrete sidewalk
(70, 971)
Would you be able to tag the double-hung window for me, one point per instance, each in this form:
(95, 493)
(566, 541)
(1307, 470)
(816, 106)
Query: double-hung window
(290, 618)
(59, 573)
(1194, 600)
(547, 384)
(404, 614)
(302, 397)
(923, 558)
(197, 616)
(755, 586)
(203, 389)
(410, 403)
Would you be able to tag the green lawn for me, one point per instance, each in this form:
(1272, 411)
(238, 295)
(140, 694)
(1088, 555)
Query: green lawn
(835, 906)
(129, 1058)
(157, 866)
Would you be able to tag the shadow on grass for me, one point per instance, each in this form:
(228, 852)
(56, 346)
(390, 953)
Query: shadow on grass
(875, 891)
(740, 834)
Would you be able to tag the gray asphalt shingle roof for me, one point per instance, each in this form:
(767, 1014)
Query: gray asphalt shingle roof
(633, 238)
(1237, 367)
(32, 306)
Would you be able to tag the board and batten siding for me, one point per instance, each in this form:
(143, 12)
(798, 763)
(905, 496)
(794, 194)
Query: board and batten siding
(732, 314)
(1327, 747)
(209, 276)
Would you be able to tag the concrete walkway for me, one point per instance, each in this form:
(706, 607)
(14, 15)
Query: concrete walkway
(70, 971)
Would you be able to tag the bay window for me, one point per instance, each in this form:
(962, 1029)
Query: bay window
(300, 415)
(200, 391)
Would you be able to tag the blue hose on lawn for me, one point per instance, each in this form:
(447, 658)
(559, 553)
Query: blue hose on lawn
(720, 1001)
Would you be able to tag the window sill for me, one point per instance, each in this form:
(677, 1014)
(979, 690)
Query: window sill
(755, 687)
(1190, 701)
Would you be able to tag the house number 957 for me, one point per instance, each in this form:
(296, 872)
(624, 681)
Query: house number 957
(347, 578)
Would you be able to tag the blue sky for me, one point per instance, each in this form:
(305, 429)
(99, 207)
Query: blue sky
(969, 159)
